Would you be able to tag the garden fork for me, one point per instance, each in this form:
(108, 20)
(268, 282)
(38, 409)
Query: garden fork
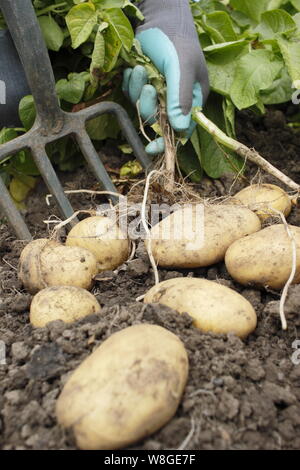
(51, 122)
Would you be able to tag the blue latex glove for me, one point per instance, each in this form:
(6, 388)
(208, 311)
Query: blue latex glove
(13, 84)
(169, 38)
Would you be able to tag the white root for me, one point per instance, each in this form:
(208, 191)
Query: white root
(62, 224)
(189, 437)
(293, 271)
(87, 191)
(146, 228)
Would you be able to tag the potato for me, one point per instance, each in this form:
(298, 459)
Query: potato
(66, 303)
(104, 239)
(29, 264)
(127, 389)
(262, 198)
(204, 240)
(264, 258)
(213, 307)
(45, 263)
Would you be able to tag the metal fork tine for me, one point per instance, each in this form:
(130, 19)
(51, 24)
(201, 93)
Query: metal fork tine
(49, 176)
(93, 159)
(130, 133)
(51, 122)
(13, 215)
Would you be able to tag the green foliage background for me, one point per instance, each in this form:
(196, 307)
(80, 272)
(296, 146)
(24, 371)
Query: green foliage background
(252, 48)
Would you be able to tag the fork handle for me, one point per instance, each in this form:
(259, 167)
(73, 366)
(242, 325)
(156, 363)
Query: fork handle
(27, 36)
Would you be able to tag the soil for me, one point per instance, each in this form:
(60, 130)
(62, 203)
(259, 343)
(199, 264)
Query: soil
(240, 394)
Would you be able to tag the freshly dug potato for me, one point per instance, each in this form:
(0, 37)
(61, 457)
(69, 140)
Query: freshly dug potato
(262, 198)
(127, 389)
(101, 236)
(66, 303)
(29, 271)
(213, 307)
(45, 263)
(264, 258)
(184, 240)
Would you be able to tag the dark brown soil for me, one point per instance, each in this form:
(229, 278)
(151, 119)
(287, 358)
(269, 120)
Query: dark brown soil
(240, 394)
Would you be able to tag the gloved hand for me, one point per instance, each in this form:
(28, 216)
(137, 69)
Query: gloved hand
(13, 85)
(169, 38)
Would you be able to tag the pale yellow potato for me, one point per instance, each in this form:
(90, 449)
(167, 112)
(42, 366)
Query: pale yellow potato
(213, 307)
(102, 237)
(264, 258)
(127, 389)
(68, 266)
(188, 239)
(66, 303)
(29, 271)
(45, 263)
(264, 198)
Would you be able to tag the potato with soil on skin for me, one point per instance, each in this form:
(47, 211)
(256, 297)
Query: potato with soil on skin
(102, 237)
(66, 303)
(186, 239)
(45, 263)
(263, 199)
(29, 264)
(264, 258)
(213, 307)
(126, 389)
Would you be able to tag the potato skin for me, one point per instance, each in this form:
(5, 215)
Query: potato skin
(45, 263)
(126, 389)
(68, 266)
(213, 307)
(264, 258)
(102, 237)
(262, 198)
(223, 224)
(29, 270)
(66, 303)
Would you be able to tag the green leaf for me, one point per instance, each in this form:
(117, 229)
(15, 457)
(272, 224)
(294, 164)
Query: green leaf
(121, 27)
(296, 4)
(215, 159)
(280, 91)
(274, 23)
(126, 149)
(21, 186)
(251, 8)
(254, 72)
(7, 134)
(222, 60)
(220, 26)
(52, 32)
(241, 20)
(20, 164)
(27, 111)
(103, 127)
(229, 117)
(113, 47)
(71, 89)
(24, 164)
(189, 161)
(98, 58)
(131, 169)
(81, 20)
(290, 50)
(108, 4)
(132, 10)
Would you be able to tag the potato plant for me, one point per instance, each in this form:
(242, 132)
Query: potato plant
(252, 53)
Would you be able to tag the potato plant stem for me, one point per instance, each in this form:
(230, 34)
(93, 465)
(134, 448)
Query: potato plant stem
(242, 150)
